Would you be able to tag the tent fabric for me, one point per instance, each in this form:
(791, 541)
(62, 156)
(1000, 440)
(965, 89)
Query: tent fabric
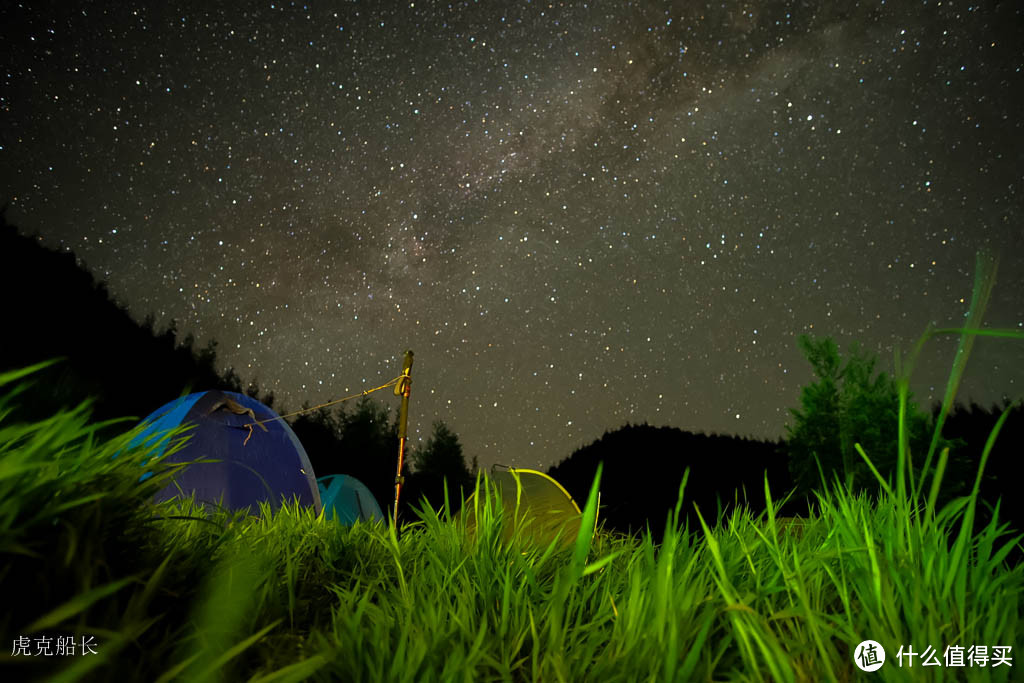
(262, 463)
(544, 507)
(347, 500)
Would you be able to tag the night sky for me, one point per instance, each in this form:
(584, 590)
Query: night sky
(576, 214)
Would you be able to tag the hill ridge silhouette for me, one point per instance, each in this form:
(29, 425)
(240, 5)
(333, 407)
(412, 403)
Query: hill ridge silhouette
(644, 466)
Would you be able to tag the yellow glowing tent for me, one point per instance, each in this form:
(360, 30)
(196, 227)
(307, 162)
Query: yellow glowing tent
(534, 504)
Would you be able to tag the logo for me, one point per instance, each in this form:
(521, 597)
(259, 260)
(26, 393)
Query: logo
(869, 655)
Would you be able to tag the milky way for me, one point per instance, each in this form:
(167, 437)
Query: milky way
(577, 215)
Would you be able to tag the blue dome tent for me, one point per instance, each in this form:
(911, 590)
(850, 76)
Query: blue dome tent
(261, 462)
(347, 499)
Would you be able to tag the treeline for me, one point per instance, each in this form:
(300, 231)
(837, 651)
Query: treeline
(850, 404)
(362, 441)
(644, 466)
(55, 308)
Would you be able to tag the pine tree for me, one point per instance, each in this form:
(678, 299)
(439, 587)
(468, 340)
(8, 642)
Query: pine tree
(849, 404)
(441, 459)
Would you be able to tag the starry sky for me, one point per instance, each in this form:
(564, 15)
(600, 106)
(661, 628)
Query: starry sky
(577, 214)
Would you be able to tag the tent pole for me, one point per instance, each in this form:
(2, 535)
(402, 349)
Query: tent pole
(402, 389)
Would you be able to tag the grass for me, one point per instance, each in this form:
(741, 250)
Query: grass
(179, 592)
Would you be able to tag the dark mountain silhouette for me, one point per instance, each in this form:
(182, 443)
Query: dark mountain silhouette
(644, 466)
(55, 308)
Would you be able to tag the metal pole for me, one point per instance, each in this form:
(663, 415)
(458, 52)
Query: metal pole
(402, 389)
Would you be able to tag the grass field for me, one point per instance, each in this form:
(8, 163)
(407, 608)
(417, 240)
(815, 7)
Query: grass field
(173, 592)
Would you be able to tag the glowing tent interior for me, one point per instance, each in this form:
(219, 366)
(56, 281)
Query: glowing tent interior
(347, 500)
(257, 462)
(545, 508)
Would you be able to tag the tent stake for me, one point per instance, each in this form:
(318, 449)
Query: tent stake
(402, 389)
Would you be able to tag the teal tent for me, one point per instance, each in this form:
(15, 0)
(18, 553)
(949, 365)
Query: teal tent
(347, 499)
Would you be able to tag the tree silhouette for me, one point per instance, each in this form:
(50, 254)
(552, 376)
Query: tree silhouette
(253, 391)
(816, 432)
(320, 435)
(848, 404)
(438, 460)
(368, 449)
(362, 443)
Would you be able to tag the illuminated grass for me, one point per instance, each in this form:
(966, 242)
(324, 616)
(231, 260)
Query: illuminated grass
(179, 592)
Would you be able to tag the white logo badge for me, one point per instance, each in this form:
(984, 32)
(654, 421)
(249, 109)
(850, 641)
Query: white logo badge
(869, 655)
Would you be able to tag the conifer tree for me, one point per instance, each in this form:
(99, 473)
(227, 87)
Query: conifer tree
(848, 404)
(441, 459)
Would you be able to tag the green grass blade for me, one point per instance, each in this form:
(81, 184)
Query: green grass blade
(76, 605)
(987, 265)
(234, 651)
(586, 532)
(15, 375)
